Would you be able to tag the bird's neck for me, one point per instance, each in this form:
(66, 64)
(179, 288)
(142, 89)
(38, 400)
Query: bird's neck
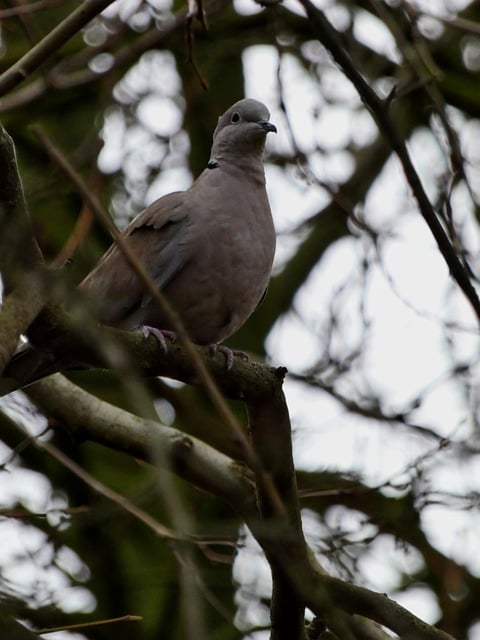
(239, 166)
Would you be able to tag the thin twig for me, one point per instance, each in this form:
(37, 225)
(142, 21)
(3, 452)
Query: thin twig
(28, 8)
(58, 79)
(85, 625)
(330, 39)
(57, 37)
(462, 24)
(159, 529)
(73, 404)
(75, 239)
(191, 53)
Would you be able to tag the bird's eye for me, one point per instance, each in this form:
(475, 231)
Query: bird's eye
(235, 116)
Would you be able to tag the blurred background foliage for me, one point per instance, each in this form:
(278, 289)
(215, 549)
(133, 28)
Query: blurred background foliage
(127, 82)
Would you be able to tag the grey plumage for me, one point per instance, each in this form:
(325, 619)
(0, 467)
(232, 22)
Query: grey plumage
(209, 249)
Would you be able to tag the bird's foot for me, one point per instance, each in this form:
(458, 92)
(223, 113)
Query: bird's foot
(160, 335)
(228, 353)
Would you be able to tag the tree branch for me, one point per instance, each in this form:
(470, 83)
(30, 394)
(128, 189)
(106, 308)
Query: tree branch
(89, 418)
(270, 431)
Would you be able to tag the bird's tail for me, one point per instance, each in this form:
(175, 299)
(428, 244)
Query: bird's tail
(28, 365)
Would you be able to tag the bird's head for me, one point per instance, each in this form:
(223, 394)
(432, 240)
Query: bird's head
(242, 129)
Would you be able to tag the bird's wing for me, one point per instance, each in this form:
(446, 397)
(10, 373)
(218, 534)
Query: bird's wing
(156, 236)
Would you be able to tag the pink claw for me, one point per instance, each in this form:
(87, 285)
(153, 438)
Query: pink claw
(228, 353)
(160, 335)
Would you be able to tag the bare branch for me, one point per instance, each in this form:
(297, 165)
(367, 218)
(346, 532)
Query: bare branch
(22, 9)
(60, 77)
(89, 418)
(270, 430)
(51, 43)
(379, 110)
(89, 625)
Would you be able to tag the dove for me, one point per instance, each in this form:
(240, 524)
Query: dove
(209, 249)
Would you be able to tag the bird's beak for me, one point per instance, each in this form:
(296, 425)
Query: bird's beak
(267, 126)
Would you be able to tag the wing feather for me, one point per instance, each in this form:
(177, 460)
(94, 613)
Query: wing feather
(156, 236)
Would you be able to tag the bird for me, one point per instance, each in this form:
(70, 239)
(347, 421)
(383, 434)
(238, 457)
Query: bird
(208, 249)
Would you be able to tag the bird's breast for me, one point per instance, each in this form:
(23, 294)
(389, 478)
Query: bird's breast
(229, 267)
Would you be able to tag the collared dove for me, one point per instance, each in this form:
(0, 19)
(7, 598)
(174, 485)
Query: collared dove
(209, 249)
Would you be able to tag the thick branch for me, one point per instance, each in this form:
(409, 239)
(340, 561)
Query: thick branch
(55, 330)
(89, 418)
(271, 438)
(377, 607)
(334, 600)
